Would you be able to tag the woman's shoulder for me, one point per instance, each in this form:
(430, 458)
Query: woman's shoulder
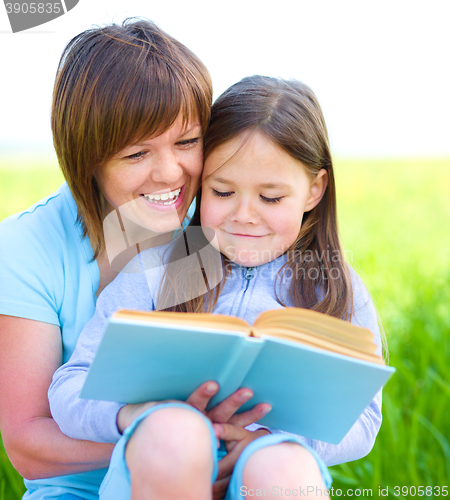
(41, 249)
(53, 217)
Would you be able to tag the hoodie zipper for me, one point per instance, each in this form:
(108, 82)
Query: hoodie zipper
(248, 275)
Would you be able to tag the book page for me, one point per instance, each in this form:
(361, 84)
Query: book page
(326, 346)
(202, 320)
(318, 330)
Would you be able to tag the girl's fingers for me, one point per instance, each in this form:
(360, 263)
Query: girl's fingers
(228, 407)
(226, 465)
(220, 488)
(200, 397)
(250, 416)
(228, 432)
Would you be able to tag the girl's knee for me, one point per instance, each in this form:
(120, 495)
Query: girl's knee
(170, 436)
(283, 465)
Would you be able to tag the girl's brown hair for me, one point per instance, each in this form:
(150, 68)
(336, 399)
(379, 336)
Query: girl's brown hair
(115, 86)
(287, 113)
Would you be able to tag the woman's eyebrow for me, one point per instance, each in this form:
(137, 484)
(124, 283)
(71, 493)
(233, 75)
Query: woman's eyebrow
(192, 129)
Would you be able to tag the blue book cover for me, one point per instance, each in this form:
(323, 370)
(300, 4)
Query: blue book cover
(313, 392)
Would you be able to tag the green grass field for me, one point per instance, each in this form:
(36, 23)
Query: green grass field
(394, 222)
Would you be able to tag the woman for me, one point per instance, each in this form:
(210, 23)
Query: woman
(130, 106)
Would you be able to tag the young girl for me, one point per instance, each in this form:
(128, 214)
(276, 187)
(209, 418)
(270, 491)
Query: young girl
(268, 193)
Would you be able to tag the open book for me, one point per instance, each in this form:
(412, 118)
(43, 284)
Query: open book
(318, 372)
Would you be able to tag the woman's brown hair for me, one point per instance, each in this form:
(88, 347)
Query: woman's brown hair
(115, 86)
(288, 113)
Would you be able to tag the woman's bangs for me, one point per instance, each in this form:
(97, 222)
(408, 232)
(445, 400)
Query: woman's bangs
(149, 117)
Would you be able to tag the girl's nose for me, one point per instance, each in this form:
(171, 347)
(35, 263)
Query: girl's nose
(167, 169)
(245, 213)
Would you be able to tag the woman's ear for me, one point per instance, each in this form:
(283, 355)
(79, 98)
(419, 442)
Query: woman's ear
(317, 189)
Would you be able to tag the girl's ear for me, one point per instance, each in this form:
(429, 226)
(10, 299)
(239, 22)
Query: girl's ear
(317, 189)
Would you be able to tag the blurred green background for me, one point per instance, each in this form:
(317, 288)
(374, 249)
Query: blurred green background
(395, 225)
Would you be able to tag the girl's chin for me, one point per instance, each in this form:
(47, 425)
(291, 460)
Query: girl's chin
(249, 260)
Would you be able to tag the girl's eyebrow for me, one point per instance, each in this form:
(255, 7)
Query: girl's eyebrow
(266, 185)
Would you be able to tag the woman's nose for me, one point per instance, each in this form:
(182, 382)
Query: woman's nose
(166, 169)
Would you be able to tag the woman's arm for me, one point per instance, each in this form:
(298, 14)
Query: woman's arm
(30, 351)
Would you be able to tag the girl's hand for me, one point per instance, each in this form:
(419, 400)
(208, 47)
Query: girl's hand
(229, 427)
(236, 439)
(225, 411)
(199, 399)
(129, 412)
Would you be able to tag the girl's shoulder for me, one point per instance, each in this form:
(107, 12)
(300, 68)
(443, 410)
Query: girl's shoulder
(364, 313)
(361, 295)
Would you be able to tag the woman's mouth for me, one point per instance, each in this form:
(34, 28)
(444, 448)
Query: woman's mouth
(169, 198)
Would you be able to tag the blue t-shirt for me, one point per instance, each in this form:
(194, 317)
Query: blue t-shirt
(47, 274)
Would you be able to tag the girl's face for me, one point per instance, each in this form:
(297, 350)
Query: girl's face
(255, 197)
(153, 182)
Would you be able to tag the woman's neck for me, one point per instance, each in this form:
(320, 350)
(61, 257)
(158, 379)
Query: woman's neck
(109, 269)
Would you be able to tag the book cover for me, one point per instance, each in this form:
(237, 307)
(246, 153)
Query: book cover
(315, 393)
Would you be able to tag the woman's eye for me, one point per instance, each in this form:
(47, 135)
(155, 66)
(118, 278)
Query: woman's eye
(189, 142)
(271, 200)
(136, 156)
(221, 194)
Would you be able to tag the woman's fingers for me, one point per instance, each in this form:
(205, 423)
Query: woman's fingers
(200, 397)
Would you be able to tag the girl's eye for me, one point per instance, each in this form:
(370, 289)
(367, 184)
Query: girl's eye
(222, 195)
(136, 156)
(189, 142)
(271, 200)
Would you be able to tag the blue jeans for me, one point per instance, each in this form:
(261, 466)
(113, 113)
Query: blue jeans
(117, 483)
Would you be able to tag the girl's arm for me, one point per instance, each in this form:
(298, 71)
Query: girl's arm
(30, 351)
(360, 439)
(97, 420)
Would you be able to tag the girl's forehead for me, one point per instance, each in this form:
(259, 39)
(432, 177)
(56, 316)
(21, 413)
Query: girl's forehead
(247, 149)
(253, 160)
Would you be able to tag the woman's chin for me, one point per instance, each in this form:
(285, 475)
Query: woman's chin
(153, 217)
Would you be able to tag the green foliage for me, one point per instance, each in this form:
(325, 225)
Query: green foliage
(11, 483)
(20, 187)
(395, 216)
(394, 220)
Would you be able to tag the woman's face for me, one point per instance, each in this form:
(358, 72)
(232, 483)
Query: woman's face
(152, 183)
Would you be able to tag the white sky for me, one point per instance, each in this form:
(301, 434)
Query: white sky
(381, 69)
